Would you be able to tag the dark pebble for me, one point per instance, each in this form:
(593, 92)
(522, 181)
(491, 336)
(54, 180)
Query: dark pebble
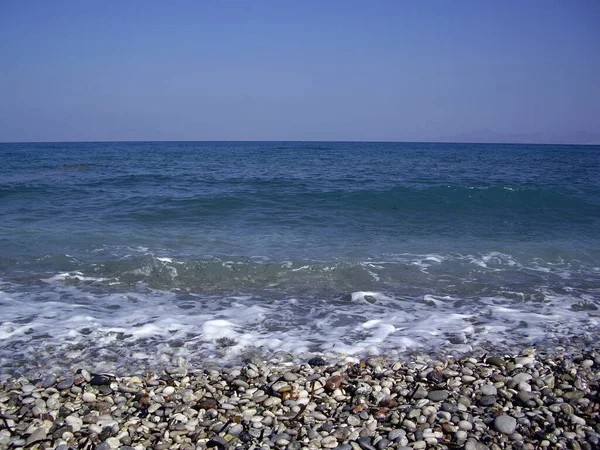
(316, 361)
(48, 381)
(218, 441)
(526, 398)
(449, 407)
(365, 443)
(105, 433)
(105, 390)
(103, 446)
(383, 443)
(487, 400)
(438, 396)
(245, 437)
(99, 380)
(495, 361)
(65, 384)
(435, 377)
(327, 427)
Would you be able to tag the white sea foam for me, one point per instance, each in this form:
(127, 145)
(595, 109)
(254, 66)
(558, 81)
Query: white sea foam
(73, 319)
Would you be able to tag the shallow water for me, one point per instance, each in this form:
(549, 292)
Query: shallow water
(124, 256)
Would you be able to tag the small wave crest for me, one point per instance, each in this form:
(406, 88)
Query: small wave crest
(142, 312)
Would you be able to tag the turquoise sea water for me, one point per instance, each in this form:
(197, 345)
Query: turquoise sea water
(117, 255)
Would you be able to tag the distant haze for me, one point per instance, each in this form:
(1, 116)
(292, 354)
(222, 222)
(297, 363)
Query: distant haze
(474, 71)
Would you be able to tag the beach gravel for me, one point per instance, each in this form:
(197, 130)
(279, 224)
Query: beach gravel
(525, 401)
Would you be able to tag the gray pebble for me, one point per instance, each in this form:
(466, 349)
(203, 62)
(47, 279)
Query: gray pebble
(65, 384)
(365, 443)
(48, 381)
(38, 434)
(438, 396)
(488, 389)
(487, 400)
(505, 424)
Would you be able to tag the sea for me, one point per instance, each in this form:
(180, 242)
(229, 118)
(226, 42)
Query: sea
(126, 257)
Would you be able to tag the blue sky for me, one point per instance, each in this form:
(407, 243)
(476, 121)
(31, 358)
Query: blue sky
(507, 71)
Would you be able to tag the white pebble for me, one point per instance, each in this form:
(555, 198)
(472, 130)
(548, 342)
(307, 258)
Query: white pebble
(89, 397)
(168, 390)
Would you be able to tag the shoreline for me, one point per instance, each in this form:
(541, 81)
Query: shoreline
(530, 400)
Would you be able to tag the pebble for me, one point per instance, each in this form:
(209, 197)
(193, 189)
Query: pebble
(438, 396)
(488, 389)
(48, 381)
(423, 403)
(505, 424)
(329, 442)
(65, 384)
(88, 397)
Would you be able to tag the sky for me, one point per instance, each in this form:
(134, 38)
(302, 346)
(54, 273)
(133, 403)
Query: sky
(452, 70)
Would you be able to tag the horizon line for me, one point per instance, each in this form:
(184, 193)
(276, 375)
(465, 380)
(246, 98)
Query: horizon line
(294, 140)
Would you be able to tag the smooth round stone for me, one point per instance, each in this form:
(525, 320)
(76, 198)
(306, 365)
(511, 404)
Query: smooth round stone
(516, 437)
(75, 422)
(316, 361)
(290, 376)
(65, 384)
(48, 381)
(409, 425)
(522, 377)
(395, 434)
(438, 396)
(353, 421)
(89, 397)
(99, 380)
(280, 386)
(488, 389)
(365, 443)
(461, 435)
(495, 361)
(526, 397)
(319, 415)
(524, 386)
(420, 393)
(271, 401)
(168, 390)
(505, 424)
(487, 400)
(449, 407)
(27, 388)
(465, 425)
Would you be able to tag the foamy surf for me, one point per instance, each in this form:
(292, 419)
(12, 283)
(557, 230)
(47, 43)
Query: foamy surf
(76, 319)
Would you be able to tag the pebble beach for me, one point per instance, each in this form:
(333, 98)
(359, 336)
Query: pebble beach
(532, 400)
